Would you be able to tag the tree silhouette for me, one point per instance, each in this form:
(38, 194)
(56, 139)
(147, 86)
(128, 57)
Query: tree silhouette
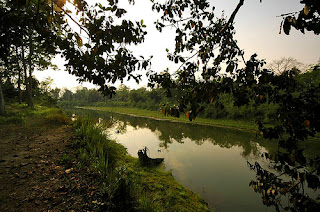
(95, 52)
(209, 43)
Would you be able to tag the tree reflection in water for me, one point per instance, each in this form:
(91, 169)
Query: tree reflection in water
(293, 176)
(169, 132)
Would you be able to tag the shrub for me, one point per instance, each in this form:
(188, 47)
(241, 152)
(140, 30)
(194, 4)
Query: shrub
(12, 118)
(58, 118)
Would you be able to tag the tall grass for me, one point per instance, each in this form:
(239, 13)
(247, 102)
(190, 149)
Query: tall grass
(118, 185)
(93, 143)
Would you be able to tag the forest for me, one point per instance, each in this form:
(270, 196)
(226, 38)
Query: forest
(156, 100)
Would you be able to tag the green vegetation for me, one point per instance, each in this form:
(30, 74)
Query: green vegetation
(12, 117)
(155, 100)
(123, 183)
(150, 102)
(44, 100)
(241, 124)
(18, 113)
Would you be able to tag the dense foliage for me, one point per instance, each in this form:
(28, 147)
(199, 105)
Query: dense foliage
(298, 110)
(155, 99)
(306, 19)
(34, 31)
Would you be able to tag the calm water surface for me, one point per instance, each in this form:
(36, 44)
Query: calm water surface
(210, 161)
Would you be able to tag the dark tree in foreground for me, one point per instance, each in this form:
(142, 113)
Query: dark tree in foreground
(2, 104)
(203, 44)
(306, 19)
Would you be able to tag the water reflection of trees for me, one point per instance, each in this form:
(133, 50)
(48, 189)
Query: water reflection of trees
(224, 137)
(282, 179)
(286, 184)
(169, 132)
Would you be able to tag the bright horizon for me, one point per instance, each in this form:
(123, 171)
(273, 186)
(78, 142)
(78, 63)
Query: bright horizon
(257, 31)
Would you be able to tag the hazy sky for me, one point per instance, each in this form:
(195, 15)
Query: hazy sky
(257, 31)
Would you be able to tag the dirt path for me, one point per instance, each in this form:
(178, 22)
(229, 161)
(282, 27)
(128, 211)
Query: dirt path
(31, 178)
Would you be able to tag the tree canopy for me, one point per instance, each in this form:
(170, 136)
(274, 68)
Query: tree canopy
(98, 55)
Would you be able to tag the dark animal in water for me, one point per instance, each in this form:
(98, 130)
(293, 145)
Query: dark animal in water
(146, 160)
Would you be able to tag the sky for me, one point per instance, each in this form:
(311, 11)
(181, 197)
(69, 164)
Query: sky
(257, 31)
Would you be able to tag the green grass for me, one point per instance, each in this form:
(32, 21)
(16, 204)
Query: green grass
(19, 113)
(125, 185)
(239, 124)
(165, 192)
(92, 141)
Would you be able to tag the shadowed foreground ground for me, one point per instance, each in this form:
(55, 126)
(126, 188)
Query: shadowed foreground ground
(30, 174)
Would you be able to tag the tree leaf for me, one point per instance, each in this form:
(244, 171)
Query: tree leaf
(306, 10)
(287, 26)
(79, 41)
(230, 68)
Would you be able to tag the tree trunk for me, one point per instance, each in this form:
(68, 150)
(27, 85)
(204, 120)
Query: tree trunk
(30, 70)
(29, 95)
(19, 79)
(2, 104)
(19, 87)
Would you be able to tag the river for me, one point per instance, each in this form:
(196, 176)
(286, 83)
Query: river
(211, 161)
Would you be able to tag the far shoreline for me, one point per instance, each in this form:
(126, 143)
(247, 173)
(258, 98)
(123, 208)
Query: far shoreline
(135, 112)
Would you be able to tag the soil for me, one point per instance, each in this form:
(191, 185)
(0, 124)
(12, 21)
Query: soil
(32, 175)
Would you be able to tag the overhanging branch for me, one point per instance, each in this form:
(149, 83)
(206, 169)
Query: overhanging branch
(233, 15)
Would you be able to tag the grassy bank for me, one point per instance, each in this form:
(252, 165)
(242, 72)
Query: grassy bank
(239, 124)
(21, 113)
(96, 171)
(124, 184)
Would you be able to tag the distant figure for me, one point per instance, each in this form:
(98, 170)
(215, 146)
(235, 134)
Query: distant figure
(159, 150)
(118, 131)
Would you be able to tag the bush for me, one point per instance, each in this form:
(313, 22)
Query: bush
(12, 118)
(58, 118)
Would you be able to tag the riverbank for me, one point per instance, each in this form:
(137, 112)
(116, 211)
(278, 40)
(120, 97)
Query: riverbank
(228, 123)
(48, 165)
